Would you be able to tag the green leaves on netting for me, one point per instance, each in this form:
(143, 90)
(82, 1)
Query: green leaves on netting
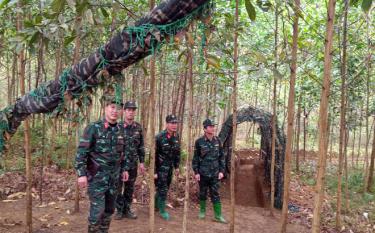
(159, 33)
(250, 10)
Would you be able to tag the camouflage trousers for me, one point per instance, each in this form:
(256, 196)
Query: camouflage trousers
(125, 199)
(102, 191)
(163, 182)
(211, 184)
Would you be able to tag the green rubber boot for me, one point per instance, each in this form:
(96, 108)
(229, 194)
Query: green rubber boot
(156, 202)
(218, 216)
(164, 214)
(202, 211)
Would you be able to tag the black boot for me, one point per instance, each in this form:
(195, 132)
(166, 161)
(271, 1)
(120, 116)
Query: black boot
(119, 215)
(128, 213)
(93, 228)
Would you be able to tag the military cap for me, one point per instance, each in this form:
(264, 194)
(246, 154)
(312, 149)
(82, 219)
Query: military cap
(111, 99)
(208, 122)
(171, 119)
(130, 104)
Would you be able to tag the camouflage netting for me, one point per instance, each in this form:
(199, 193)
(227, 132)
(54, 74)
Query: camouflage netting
(126, 48)
(264, 120)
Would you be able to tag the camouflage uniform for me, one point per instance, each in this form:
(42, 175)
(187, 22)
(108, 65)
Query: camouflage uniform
(100, 158)
(134, 151)
(167, 157)
(208, 161)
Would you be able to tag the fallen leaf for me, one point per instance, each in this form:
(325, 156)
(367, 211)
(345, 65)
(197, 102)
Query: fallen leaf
(63, 223)
(17, 195)
(9, 200)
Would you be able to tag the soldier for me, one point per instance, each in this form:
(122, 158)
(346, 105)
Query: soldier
(167, 157)
(209, 167)
(99, 163)
(134, 151)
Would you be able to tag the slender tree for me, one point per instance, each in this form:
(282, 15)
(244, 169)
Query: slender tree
(323, 117)
(290, 121)
(342, 115)
(21, 75)
(190, 139)
(274, 110)
(151, 137)
(234, 119)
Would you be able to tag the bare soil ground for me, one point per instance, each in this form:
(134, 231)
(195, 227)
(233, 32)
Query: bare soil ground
(55, 215)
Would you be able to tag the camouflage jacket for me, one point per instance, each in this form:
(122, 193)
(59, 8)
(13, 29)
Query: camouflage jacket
(208, 157)
(167, 150)
(134, 145)
(100, 149)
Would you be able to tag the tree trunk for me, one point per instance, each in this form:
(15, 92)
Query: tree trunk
(368, 66)
(359, 136)
(255, 105)
(189, 77)
(21, 75)
(305, 115)
(289, 136)
(181, 108)
(323, 117)
(274, 112)
(14, 77)
(298, 133)
(346, 170)
(371, 169)
(234, 119)
(151, 138)
(353, 147)
(76, 56)
(342, 116)
(331, 126)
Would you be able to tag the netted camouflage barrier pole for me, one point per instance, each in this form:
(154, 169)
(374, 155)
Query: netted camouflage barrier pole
(129, 46)
(264, 120)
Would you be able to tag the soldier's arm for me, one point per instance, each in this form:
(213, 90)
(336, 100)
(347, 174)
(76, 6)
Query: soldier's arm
(195, 162)
(141, 148)
(157, 148)
(178, 156)
(84, 147)
(221, 158)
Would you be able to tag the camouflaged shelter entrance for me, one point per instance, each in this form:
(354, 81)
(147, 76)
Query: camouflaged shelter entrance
(264, 120)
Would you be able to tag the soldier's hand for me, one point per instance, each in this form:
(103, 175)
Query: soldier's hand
(155, 176)
(82, 182)
(177, 172)
(198, 177)
(125, 176)
(221, 175)
(142, 168)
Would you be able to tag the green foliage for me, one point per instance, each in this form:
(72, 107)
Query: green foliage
(250, 9)
(366, 5)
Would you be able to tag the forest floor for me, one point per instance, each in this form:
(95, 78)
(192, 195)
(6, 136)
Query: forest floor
(55, 214)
